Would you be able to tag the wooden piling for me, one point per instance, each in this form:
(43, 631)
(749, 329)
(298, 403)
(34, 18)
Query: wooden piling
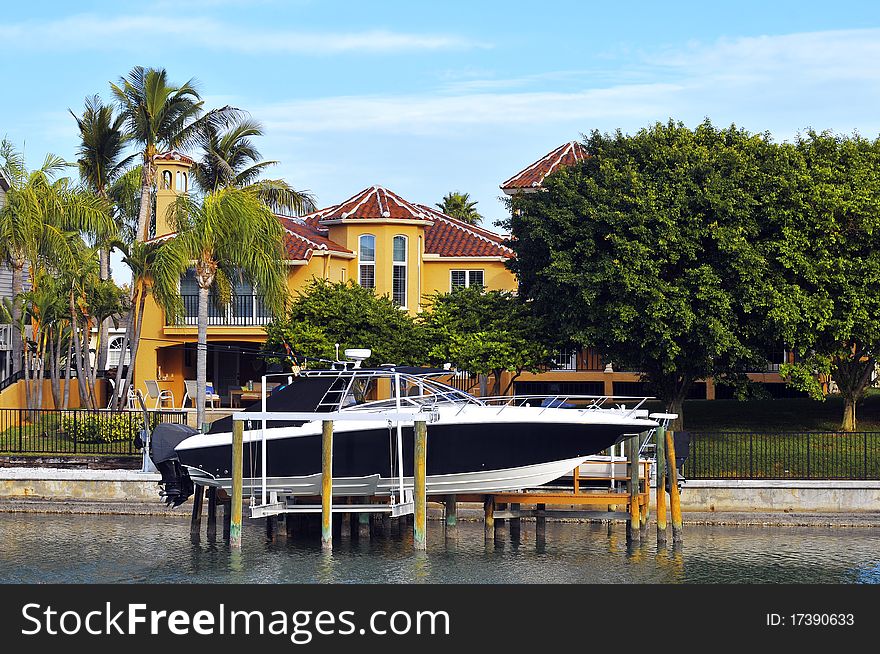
(674, 499)
(515, 523)
(237, 483)
(451, 513)
(195, 524)
(489, 516)
(227, 518)
(661, 485)
(633, 524)
(363, 523)
(420, 524)
(327, 485)
(212, 513)
(540, 522)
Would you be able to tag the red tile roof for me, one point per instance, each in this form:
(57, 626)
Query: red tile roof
(533, 176)
(173, 155)
(450, 237)
(445, 236)
(301, 239)
(374, 203)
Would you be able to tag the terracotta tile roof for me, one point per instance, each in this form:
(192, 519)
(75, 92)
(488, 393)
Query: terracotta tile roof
(444, 235)
(173, 155)
(374, 203)
(302, 238)
(450, 237)
(532, 176)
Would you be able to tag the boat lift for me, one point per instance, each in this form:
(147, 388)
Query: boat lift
(276, 502)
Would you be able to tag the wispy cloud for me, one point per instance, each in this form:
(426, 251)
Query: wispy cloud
(133, 33)
(828, 79)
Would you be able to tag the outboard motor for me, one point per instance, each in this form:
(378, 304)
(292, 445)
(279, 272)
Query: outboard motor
(176, 485)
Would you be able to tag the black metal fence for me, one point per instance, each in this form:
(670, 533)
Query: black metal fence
(76, 431)
(784, 455)
(242, 311)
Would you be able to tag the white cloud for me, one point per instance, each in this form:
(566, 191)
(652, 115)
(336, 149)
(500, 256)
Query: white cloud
(133, 33)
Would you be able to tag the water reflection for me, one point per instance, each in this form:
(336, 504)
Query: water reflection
(127, 549)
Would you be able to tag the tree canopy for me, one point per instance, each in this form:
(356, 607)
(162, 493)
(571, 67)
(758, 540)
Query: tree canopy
(459, 205)
(325, 313)
(649, 250)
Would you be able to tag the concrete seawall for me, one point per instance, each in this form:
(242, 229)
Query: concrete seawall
(851, 503)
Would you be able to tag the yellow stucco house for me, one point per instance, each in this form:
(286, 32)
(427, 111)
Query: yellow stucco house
(376, 238)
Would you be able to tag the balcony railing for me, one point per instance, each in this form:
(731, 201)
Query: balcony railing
(242, 311)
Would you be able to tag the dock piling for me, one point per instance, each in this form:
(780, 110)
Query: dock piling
(661, 485)
(195, 524)
(489, 516)
(212, 513)
(327, 485)
(540, 522)
(451, 514)
(237, 484)
(674, 499)
(420, 499)
(633, 524)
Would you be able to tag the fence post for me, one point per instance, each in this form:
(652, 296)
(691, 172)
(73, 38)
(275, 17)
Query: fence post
(75, 431)
(751, 456)
(808, 456)
(865, 452)
(20, 435)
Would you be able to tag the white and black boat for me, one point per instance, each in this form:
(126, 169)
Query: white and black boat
(475, 445)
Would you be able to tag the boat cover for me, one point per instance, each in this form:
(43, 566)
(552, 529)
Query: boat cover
(165, 437)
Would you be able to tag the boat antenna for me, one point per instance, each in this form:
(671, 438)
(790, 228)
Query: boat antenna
(337, 351)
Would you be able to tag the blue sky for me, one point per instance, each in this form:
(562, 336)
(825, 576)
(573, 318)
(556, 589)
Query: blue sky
(426, 98)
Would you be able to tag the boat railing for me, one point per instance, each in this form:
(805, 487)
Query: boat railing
(629, 406)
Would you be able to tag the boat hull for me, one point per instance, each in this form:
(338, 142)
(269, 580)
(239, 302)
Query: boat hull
(462, 456)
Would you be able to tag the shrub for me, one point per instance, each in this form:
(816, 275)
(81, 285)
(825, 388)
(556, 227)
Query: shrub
(100, 428)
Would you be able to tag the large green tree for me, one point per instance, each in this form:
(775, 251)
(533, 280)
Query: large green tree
(826, 255)
(650, 251)
(487, 333)
(325, 313)
(230, 234)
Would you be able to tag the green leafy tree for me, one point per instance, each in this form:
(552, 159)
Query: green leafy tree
(487, 333)
(229, 234)
(459, 205)
(826, 254)
(325, 313)
(649, 250)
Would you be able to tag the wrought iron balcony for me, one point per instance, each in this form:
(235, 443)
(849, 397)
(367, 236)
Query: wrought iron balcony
(242, 311)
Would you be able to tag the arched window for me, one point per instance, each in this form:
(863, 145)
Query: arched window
(166, 179)
(183, 181)
(114, 351)
(398, 271)
(367, 261)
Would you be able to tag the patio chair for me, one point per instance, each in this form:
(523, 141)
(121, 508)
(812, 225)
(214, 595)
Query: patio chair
(159, 395)
(192, 392)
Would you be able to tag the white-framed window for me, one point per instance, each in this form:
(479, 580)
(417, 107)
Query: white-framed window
(398, 271)
(465, 278)
(114, 352)
(367, 261)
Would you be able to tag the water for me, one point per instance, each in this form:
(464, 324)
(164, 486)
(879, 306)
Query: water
(37, 548)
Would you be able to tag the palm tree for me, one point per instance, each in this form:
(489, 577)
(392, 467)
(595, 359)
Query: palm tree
(230, 159)
(101, 167)
(458, 205)
(35, 224)
(157, 115)
(155, 270)
(230, 233)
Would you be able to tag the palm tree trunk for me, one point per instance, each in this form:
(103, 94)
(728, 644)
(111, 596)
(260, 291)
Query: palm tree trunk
(80, 377)
(202, 356)
(120, 392)
(18, 328)
(54, 355)
(67, 367)
(137, 338)
(104, 331)
(146, 205)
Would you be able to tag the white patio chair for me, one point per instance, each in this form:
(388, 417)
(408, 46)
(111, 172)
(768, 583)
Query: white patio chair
(163, 395)
(192, 392)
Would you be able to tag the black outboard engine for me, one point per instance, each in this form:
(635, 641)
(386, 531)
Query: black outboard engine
(176, 485)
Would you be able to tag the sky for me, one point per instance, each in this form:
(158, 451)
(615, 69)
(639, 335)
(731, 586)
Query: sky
(425, 98)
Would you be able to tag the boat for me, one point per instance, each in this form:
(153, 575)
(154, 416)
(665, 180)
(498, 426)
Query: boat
(475, 445)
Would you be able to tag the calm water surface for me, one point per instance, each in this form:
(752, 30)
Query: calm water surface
(128, 549)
